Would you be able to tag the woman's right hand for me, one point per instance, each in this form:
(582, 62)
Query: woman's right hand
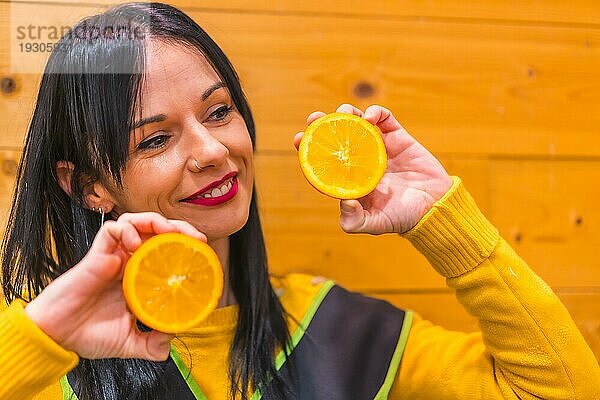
(84, 310)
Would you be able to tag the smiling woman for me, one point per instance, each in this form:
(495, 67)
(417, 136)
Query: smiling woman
(153, 130)
(165, 129)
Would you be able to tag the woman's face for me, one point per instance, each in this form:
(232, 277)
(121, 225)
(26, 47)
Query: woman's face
(189, 117)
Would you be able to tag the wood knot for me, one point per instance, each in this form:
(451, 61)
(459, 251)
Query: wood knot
(8, 85)
(363, 90)
(9, 167)
(518, 237)
(575, 217)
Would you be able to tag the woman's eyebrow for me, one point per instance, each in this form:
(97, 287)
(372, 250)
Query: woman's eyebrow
(211, 89)
(162, 117)
(144, 121)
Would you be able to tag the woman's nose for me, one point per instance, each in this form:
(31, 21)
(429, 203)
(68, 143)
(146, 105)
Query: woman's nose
(206, 150)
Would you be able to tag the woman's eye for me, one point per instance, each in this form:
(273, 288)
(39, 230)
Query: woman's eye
(220, 113)
(154, 143)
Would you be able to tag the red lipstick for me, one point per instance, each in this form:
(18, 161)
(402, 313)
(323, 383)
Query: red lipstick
(196, 198)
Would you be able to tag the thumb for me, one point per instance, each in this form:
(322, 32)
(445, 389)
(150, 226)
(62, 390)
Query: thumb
(153, 345)
(352, 216)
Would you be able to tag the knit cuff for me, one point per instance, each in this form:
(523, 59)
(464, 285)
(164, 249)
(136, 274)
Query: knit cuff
(30, 359)
(454, 235)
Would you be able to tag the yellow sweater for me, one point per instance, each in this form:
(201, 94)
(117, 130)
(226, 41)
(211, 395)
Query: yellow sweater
(528, 346)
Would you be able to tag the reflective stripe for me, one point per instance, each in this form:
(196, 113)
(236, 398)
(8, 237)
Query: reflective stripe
(68, 393)
(391, 375)
(300, 330)
(187, 375)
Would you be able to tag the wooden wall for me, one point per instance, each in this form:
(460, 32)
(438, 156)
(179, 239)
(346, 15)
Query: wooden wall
(506, 94)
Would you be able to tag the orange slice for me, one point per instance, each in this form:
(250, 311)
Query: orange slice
(342, 156)
(172, 282)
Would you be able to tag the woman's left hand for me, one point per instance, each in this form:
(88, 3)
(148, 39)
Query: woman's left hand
(414, 180)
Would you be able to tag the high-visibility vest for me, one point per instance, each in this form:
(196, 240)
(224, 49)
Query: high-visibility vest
(347, 347)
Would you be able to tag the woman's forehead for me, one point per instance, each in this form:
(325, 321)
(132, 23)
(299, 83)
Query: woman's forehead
(175, 78)
(176, 66)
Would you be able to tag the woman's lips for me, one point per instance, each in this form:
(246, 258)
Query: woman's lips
(213, 201)
(213, 185)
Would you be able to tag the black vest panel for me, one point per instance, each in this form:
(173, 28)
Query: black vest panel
(173, 384)
(347, 349)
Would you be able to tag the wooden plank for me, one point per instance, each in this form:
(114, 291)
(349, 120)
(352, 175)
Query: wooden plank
(548, 211)
(303, 234)
(16, 107)
(465, 88)
(577, 11)
(439, 307)
(443, 309)
(459, 88)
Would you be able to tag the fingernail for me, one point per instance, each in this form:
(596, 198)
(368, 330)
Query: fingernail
(347, 207)
(165, 346)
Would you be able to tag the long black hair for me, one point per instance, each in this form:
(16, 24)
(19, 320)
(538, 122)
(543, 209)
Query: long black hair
(84, 111)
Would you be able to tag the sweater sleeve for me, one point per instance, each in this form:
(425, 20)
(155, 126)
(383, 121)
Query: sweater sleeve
(528, 346)
(29, 360)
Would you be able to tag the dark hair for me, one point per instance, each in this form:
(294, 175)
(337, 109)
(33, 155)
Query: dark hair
(84, 111)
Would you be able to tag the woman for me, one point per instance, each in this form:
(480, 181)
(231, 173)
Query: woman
(132, 122)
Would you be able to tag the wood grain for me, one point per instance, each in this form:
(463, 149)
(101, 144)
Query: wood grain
(548, 11)
(303, 233)
(16, 108)
(462, 88)
(551, 208)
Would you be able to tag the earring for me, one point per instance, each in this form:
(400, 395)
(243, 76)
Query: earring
(101, 211)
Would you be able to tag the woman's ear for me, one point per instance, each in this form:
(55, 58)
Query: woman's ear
(64, 172)
(95, 195)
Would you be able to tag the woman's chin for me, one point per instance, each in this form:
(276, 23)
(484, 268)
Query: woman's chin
(229, 229)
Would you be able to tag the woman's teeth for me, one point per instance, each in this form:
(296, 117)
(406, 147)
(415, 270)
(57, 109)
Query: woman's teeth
(217, 192)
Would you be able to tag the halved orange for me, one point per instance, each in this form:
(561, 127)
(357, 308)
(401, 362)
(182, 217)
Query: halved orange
(172, 282)
(342, 155)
